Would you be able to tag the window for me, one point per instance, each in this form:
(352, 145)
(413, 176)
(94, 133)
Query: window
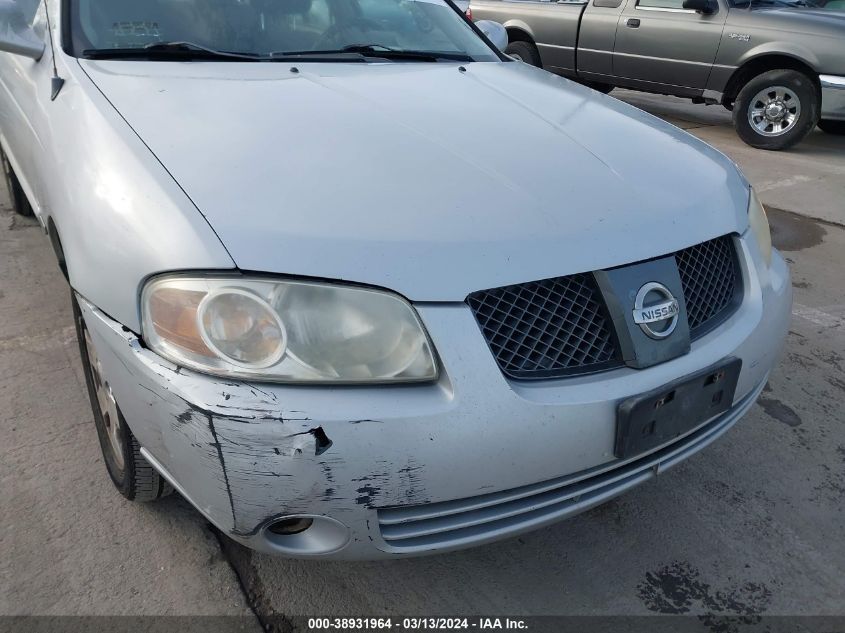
(661, 4)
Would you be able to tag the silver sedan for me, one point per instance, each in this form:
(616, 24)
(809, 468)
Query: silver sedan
(346, 315)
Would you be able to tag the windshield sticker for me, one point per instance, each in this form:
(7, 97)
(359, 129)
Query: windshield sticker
(133, 31)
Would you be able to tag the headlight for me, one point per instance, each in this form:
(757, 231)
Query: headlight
(286, 331)
(759, 225)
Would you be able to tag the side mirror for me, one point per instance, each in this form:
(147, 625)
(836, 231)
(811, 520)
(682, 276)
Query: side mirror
(16, 36)
(707, 7)
(495, 32)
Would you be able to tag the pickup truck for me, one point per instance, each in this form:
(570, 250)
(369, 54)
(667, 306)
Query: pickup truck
(779, 65)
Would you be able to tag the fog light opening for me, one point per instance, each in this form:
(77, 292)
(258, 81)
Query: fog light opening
(288, 527)
(305, 535)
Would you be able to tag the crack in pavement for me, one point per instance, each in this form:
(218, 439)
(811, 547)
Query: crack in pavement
(239, 558)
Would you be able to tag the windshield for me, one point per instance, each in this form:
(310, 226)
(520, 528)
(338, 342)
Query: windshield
(267, 27)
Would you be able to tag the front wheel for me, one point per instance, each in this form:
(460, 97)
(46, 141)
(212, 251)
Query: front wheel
(776, 109)
(130, 473)
(832, 127)
(524, 52)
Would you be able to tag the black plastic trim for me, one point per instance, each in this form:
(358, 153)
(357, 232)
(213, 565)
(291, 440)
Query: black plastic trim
(728, 311)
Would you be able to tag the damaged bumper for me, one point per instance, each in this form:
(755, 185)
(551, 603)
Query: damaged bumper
(414, 469)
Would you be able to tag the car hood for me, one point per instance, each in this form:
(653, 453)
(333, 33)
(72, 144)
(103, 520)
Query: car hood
(433, 180)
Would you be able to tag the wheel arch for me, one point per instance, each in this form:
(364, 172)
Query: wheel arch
(519, 31)
(762, 62)
(16, 174)
(56, 243)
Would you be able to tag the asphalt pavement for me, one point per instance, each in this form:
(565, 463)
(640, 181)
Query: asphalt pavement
(69, 544)
(809, 179)
(752, 525)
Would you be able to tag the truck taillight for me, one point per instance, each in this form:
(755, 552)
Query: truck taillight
(469, 13)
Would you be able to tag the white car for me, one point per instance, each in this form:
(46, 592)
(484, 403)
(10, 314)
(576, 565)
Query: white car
(357, 285)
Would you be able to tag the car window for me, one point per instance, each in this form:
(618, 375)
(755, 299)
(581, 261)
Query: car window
(271, 26)
(661, 4)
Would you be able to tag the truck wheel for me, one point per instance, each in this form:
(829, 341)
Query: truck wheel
(776, 109)
(832, 127)
(524, 52)
(131, 474)
(20, 204)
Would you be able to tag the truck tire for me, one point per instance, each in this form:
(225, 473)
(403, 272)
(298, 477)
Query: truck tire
(776, 109)
(20, 204)
(832, 127)
(130, 473)
(524, 52)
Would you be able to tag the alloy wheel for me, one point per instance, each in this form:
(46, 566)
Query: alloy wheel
(107, 404)
(774, 111)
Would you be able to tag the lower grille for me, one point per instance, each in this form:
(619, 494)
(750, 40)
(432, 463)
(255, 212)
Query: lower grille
(487, 517)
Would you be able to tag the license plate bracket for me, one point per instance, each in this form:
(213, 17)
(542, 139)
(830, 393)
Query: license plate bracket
(654, 418)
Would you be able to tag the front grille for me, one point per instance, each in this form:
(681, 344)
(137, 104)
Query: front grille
(547, 328)
(710, 279)
(461, 522)
(560, 327)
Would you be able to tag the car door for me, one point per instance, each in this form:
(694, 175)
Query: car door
(22, 80)
(596, 39)
(659, 43)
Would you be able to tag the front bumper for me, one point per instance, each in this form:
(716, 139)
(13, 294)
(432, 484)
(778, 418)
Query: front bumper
(425, 468)
(833, 97)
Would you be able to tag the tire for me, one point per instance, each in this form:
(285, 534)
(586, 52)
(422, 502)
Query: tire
(20, 204)
(776, 109)
(130, 473)
(832, 127)
(524, 52)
